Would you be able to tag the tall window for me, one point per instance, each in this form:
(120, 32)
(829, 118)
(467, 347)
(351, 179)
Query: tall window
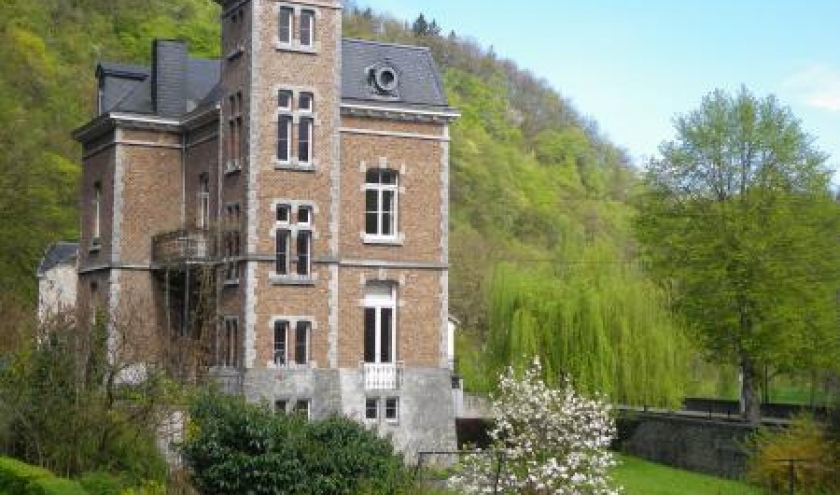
(293, 240)
(287, 16)
(232, 241)
(380, 328)
(282, 252)
(228, 345)
(292, 343)
(96, 232)
(281, 335)
(295, 128)
(305, 140)
(381, 187)
(203, 219)
(284, 138)
(235, 134)
(307, 28)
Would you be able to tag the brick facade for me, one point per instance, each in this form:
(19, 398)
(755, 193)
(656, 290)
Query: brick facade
(159, 174)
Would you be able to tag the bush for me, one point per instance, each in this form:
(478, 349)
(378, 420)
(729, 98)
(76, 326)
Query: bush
(54, 486)
(101, 483)
(232, 447)
(16, 475)
(805, 440)
(19, 478)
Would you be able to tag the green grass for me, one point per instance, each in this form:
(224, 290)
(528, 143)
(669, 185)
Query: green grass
(640, 477)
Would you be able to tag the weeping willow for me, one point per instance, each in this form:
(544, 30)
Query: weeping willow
(600, 324)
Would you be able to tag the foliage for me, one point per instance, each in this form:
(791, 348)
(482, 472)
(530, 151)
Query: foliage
(736, 221)
(639, 477)
(805, 441)
(233, 447)
(554, 441)
(101, 483)
(63, 406)
(19, 478)
(605, 330)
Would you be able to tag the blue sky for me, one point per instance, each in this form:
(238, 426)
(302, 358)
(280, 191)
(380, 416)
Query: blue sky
(632, 65)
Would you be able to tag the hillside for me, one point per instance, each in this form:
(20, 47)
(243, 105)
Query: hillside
(535, 186)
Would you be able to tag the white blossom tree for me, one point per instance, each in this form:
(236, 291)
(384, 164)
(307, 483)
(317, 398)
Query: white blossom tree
(546, 441)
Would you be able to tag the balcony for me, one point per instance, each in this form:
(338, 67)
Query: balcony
(181, 246)
(382, 376)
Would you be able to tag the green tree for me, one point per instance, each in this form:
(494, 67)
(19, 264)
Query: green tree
(737, 220)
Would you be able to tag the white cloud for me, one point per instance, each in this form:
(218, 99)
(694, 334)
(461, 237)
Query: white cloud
(818, 86)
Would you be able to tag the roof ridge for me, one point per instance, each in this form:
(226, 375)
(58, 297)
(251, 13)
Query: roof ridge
(383, 43)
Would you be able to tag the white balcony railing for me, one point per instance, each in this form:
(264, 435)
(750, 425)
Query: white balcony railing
(382, 376)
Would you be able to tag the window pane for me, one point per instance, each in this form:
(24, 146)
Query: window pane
(389, 177)
(285, 32)
(386, 335)
(305, 102)
(280, 335)
(371, 408)
(305, 140)
(370, 335)
(280, 406)
(372, 176)
(391, 408)
(371, 223)
(304, 215)
(303, 250)
(387, 212)
(284, 99)
(282, 267)
(283, 213)
(301, 341)
(307, 24)
(284, 130)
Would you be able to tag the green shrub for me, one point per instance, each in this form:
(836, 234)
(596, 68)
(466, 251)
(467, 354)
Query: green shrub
(16, 475)
(102, 483)
(805, 440)
(54, 486)
(232, 447)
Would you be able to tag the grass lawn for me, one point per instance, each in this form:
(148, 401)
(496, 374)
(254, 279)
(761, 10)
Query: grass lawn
(640, 477)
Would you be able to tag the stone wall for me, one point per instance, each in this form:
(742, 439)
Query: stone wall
(707, 446)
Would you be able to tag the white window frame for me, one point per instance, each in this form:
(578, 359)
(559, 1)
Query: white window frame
(309, 145)
(377, 300)
(290, 270)
(312, 16)
(287, 264)
(285, 340)
(307, 357)
(203, 218)
(289, 122)
(96, 231)
(290, 25)
(379, 188)
(396, 417)
(307, 403)
(375, 409)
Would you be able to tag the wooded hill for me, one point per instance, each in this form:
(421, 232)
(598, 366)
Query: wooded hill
(540, 219)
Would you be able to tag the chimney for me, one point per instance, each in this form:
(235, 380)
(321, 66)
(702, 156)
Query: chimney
(169, 77)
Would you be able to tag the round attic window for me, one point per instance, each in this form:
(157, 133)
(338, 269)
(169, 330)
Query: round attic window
(386, 79)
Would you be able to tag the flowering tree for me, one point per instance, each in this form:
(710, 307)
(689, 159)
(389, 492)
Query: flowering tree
(549, 441)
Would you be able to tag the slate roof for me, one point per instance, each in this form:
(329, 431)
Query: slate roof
(58, 253)
(129, 88)
(419, 78)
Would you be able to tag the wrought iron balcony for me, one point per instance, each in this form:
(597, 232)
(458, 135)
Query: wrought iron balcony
(181, 246)
(382, 376)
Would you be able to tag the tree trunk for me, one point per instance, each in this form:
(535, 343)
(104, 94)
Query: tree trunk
(750, 400)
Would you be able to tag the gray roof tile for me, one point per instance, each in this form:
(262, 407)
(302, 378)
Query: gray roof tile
(128, 88)
(57, 254)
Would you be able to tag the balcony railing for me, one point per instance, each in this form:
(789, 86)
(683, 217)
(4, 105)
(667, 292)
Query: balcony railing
(382, 376)
(181, 246)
